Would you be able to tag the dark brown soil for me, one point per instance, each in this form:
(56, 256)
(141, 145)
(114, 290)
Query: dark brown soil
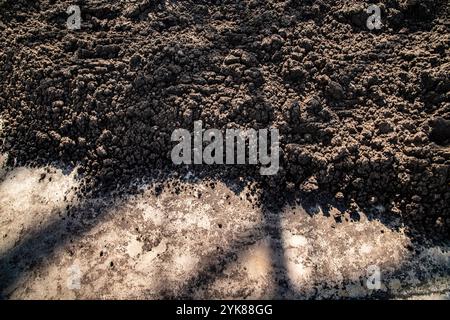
(363, 115)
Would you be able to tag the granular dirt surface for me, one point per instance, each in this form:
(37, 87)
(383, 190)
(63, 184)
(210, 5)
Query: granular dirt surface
(364, 116)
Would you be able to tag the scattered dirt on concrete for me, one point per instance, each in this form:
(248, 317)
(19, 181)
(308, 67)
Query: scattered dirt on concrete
(201, 243)
(364, 116)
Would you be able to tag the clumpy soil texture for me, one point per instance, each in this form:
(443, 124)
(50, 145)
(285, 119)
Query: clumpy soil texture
(363, 115)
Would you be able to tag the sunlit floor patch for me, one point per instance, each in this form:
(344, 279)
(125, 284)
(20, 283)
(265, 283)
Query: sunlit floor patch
(31, 198)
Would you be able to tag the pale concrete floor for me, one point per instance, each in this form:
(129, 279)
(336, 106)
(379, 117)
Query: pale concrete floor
(202, 243)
